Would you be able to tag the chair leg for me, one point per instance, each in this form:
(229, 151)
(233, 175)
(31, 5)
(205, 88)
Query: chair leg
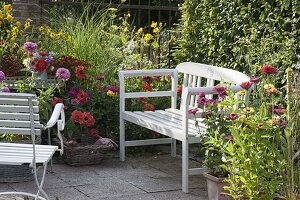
(173, 148)
(122, 139)
(41, 184)
(185, 166)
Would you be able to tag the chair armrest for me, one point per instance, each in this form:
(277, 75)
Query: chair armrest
(54, 119)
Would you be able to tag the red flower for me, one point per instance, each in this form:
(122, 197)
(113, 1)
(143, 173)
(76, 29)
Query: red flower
(148, 87)
(41, 65)
(80, 72)
(94, 132)
(254, 79)
(57, 100)
(142, 99)
(149, 107)
(82, 97)
(179, 89)
(88, 119)
(269, 69)
(246, 85)
(77, 116)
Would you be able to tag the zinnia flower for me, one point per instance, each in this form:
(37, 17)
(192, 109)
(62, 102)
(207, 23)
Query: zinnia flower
(219, 89)
(2, 76)
(268, 69)
(147, 79)
(149, 107)
(193, 111)
(94, 132)
(63, 73)
(88, 119)
(5, 89)
(30, 46)
(82, 97)
(110, 93)
(77, 116)
(246, 85)
(179, 89)
(41, 65)
(100, 78)
(112, 88)
(57, 100)
(249, 110)
(73, 91)
(147, 87)
(254, 79)
(80, 72)
(229, 138)
(232, 116)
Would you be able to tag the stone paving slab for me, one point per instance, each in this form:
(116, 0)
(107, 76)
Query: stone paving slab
(145, 178)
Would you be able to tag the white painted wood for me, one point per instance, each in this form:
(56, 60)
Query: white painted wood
(23, 131)
(17, 109)
(21, 102)
(176, 123)
(148, 94)
(19, 124)
(148, 142)
(18, 116)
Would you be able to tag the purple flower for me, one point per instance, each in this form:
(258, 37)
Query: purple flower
(100, 78)
(220, 89)
(42, 53)
(5, 89)
(204, 101)
(73, 91)
(63, 73)
(48, 60)
(284, 123)
(201, 94)
(74, 102)
(229, 138)
(233, 116)
(112, 88)
(30, 46)
(2, 76)
(147, 79)
(246, 85)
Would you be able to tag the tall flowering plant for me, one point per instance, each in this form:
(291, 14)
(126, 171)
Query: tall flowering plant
(242, 137)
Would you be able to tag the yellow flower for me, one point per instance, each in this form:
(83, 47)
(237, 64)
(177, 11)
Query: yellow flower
(110, 93)
(7, 8)
(154, 24)
(69, 37)
(148, 37)
(9, 18)
(173, 38)
(140, 31)
(242, 92)
(128, 15)
(18, 23)
(268, 86)
(27, 25)
(249, 110)
(1, 15)
(41, 28)
(52, 35)
(155, 30)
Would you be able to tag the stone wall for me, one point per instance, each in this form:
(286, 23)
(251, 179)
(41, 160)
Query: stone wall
(31, 9)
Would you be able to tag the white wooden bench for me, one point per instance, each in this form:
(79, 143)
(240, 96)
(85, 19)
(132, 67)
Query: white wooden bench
(19, 114)
(175, 122)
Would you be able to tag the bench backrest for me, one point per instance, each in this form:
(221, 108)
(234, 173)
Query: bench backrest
(201, 75)
(19, 112)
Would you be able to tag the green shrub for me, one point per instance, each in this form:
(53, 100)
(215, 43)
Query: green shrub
(240, 34)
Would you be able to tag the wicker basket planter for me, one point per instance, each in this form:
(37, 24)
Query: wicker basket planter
(88, 154)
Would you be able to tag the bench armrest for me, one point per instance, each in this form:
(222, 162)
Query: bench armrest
(152, 72)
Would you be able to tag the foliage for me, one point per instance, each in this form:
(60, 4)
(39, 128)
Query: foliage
(240, 34)
(245, 141)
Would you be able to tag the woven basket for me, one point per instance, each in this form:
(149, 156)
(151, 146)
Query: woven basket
(88, 154)
(15, 173)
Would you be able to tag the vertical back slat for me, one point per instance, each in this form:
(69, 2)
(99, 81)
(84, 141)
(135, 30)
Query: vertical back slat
(199, 79)
(194, 83)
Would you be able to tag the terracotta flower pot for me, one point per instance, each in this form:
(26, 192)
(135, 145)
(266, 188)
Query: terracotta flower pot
(215, 188)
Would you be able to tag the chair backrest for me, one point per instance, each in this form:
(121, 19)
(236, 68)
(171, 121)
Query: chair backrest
(19, 112)
(201, 75)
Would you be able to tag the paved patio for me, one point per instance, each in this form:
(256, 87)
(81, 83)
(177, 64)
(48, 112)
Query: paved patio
(145, 178)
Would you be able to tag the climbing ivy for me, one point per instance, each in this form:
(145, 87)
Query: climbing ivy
(240, 34)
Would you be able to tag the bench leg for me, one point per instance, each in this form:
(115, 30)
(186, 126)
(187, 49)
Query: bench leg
(122, 139)
(185, 166)
(173, 148)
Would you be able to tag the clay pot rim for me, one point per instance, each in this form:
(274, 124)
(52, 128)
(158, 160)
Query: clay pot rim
(213, 178)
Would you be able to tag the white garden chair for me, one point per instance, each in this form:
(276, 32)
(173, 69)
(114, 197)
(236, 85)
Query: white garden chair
(175, 123)
(19, 114)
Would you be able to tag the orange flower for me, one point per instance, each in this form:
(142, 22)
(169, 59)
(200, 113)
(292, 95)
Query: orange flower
(149, 107)
(80, 72)
(77, 116)
(148, 87)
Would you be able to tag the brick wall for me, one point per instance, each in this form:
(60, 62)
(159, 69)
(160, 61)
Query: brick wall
(32, 9)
